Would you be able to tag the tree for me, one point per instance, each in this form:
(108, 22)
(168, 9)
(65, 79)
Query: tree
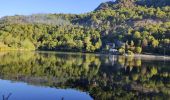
(154, 71)
(27, 44)
(137, 35)
(122, 51)
(132, 43)
(138, 50)
(144, 42)
(98, 44)
(155, 43)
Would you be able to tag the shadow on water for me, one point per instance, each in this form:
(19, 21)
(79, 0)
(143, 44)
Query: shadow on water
(6, 97)
(103, 77)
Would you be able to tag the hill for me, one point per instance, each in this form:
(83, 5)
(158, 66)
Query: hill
(133, 26)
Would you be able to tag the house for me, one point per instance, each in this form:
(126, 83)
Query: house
(112, 48)
(113, 51)
(111, 45)
(119, 43)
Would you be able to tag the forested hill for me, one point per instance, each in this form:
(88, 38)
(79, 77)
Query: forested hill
(133, 26)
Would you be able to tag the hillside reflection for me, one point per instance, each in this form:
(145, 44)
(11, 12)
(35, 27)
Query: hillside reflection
(104, 77)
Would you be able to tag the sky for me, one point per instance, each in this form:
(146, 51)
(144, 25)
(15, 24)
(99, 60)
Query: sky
(28, 7)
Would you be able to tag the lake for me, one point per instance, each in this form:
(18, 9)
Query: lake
(76, 76)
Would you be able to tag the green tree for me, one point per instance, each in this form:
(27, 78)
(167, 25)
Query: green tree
(137, 35)
(155, 43)
(138, 50)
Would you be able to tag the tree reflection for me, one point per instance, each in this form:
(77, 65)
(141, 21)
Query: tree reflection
(104, 77)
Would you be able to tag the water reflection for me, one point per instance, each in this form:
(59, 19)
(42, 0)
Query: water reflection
(23, 91)
(104, 77)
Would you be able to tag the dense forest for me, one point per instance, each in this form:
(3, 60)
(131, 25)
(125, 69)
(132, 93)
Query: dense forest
(133, 26)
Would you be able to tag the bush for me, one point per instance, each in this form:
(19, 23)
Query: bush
(138, 50)
(122, 51)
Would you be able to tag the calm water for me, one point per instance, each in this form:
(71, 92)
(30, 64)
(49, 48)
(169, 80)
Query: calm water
(69, 76)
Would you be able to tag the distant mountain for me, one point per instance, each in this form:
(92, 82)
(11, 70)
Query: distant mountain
(139, 25)
(105, 5)
(55, 19)
(154, 3)
(131, 3)
(116, 4)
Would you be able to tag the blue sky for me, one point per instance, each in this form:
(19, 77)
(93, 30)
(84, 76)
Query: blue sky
(27, 7)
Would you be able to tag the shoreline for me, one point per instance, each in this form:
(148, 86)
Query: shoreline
(138, 56)
(150, 56)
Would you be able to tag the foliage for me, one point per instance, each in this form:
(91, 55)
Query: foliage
(138, 50)
(138, 23)
(49, 37)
